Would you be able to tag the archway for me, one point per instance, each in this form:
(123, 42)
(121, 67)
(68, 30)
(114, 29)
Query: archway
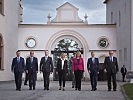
(69, 47)
(72, 35)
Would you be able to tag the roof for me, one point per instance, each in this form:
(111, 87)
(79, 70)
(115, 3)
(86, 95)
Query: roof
(66, 4)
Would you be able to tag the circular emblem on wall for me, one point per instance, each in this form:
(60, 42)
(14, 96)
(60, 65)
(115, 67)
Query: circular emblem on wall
(30, 42)
(103, 42)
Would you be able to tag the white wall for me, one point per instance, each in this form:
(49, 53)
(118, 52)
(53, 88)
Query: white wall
(9, 31)
(123, 23)
(43, 34)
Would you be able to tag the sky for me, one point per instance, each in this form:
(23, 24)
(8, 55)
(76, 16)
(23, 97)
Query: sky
(36, 11)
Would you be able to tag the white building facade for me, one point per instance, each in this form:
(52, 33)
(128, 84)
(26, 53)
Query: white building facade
(10, 17)
(39, 37)
(120, 12)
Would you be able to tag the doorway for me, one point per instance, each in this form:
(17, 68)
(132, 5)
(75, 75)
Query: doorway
(68, 46)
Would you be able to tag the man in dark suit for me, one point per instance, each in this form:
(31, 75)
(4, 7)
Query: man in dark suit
(93, 68)
(111, 66)
(32, 69)
(123, 72)
(17, 67)
(62, 69)
(46, 66)
(26, 78)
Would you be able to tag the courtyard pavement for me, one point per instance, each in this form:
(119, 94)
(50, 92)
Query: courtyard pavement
(8, 92)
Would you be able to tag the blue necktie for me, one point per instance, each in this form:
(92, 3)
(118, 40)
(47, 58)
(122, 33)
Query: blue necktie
(18, 59)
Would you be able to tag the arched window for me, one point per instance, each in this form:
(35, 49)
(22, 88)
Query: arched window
(2, 7)
(1, 53)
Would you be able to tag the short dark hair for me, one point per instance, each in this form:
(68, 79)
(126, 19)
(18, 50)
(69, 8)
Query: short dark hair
(92, 52)
(17, 51)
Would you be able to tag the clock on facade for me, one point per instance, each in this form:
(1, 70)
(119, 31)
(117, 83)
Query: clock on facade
(30, 43)
(103, 42)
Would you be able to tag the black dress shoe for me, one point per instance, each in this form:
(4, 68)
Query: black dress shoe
(79, 89)
(76, 89)
(25, 84)
(95, 89)
(33, 88)
(19, 89)
(114, 89)
(109, 89)
(60, 88)
(47, 88)
(63, 89)
(30, 88)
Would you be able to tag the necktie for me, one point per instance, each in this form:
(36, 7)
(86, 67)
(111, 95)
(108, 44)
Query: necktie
(18, 59)
(110, 59)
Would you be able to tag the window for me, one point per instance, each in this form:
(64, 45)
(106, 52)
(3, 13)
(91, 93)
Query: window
(2, 7)
(119, 18)
(120, 55)
(125, 54)
(111, 17)
(1, 53)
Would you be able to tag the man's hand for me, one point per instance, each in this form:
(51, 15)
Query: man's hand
(105, 70)
(56, 72)
(26, 71)
(89, 71)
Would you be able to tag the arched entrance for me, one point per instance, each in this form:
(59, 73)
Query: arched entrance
(68, 46)
(67, 36)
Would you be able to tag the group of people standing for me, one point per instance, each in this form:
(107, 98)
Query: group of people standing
(46, 67)
(31, 69)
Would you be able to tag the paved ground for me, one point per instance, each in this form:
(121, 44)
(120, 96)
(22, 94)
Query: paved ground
(8, 92)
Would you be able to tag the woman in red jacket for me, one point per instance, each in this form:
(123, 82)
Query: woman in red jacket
(78, 69)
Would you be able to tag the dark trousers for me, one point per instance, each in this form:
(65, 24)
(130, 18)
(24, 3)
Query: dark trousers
(32, 79)
(123, 77)
(46, 79)
(93, 78)
(18, 80)
(113, 76)
(78, 76)
(73, 80)
(26, 78)
(62, 77)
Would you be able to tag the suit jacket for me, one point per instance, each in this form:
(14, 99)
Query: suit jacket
(78, 65)
(18, 67)
(93, 67)
(111, 66)
(32, 66)
(59, 65)
(46, 65)
(123, 70)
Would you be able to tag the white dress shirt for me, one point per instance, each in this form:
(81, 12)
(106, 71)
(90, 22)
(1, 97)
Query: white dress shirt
(93, 59)
(62, 61)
